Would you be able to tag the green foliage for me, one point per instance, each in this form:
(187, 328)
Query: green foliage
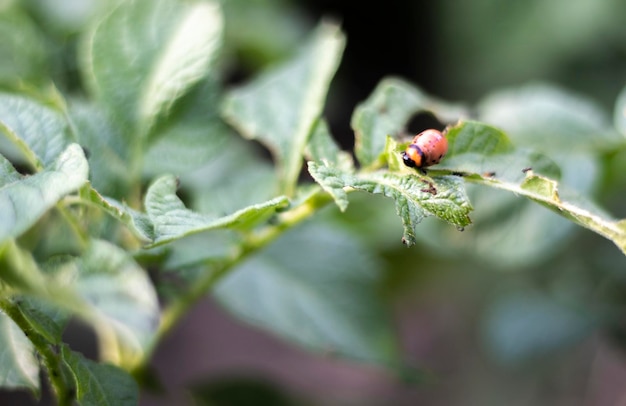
(168, 186)
(324, 302)
(172, 221)
(24, 200)
(285, 119)
(100, 384)
(18, 357)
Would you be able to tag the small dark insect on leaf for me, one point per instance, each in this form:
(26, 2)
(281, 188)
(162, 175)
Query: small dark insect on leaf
(460, 174)
(430, 189)
(527, 169)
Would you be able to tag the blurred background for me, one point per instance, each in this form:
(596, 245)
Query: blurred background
(525, 310)
(522, 308)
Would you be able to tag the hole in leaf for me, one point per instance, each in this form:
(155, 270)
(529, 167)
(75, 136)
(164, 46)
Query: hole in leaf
(81, 338)
(423, 121)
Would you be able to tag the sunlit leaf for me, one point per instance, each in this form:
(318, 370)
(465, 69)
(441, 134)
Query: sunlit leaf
(8, 174)
(109, 151)
(322, 147)
(479, 148)
(23, 202)
(280, 107)
(146, 54)
(172, 220)
(415, 197)
(20, 368)
(137, 222)
(193, 134)
(121, 297)
(541, 189)
(39, 132)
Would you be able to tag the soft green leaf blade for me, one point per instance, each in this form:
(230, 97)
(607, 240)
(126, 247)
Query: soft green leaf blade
(100, 384)
(474, 137)
(316, 285)
(526, 325)
(234, 180)
(172, 220)
(8, 174)
(18, 270)
(192, 135)
(475, 147)
(574, 207)
(559, 199)
(547, 118)
(109, 150)
(415, 197)
(333, 180)
(138, 223)
(619, 116)
(37, 131)
(47, 320)
(525, 174)
(322, 147)
(280, 107)
(20, 368)
(38, 307)
(120, 295)
(188, 56)
(146, 54)
(387, 111)
(24, 202)
(105, 287)
(572, 131)
(23, 48)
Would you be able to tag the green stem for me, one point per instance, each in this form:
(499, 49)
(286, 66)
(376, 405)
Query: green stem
(286, 220)
(48, 351)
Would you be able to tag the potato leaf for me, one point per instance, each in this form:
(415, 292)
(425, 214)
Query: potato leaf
(39, 132)
(20, 365)
(508, 172)
(100, 384)
(415, 197)
(23, 202)
(171, 220)
(146, 54)
(315, 285)
(281, 107)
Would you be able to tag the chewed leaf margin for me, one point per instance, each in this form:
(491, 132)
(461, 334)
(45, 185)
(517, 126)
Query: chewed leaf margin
(416, 197)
